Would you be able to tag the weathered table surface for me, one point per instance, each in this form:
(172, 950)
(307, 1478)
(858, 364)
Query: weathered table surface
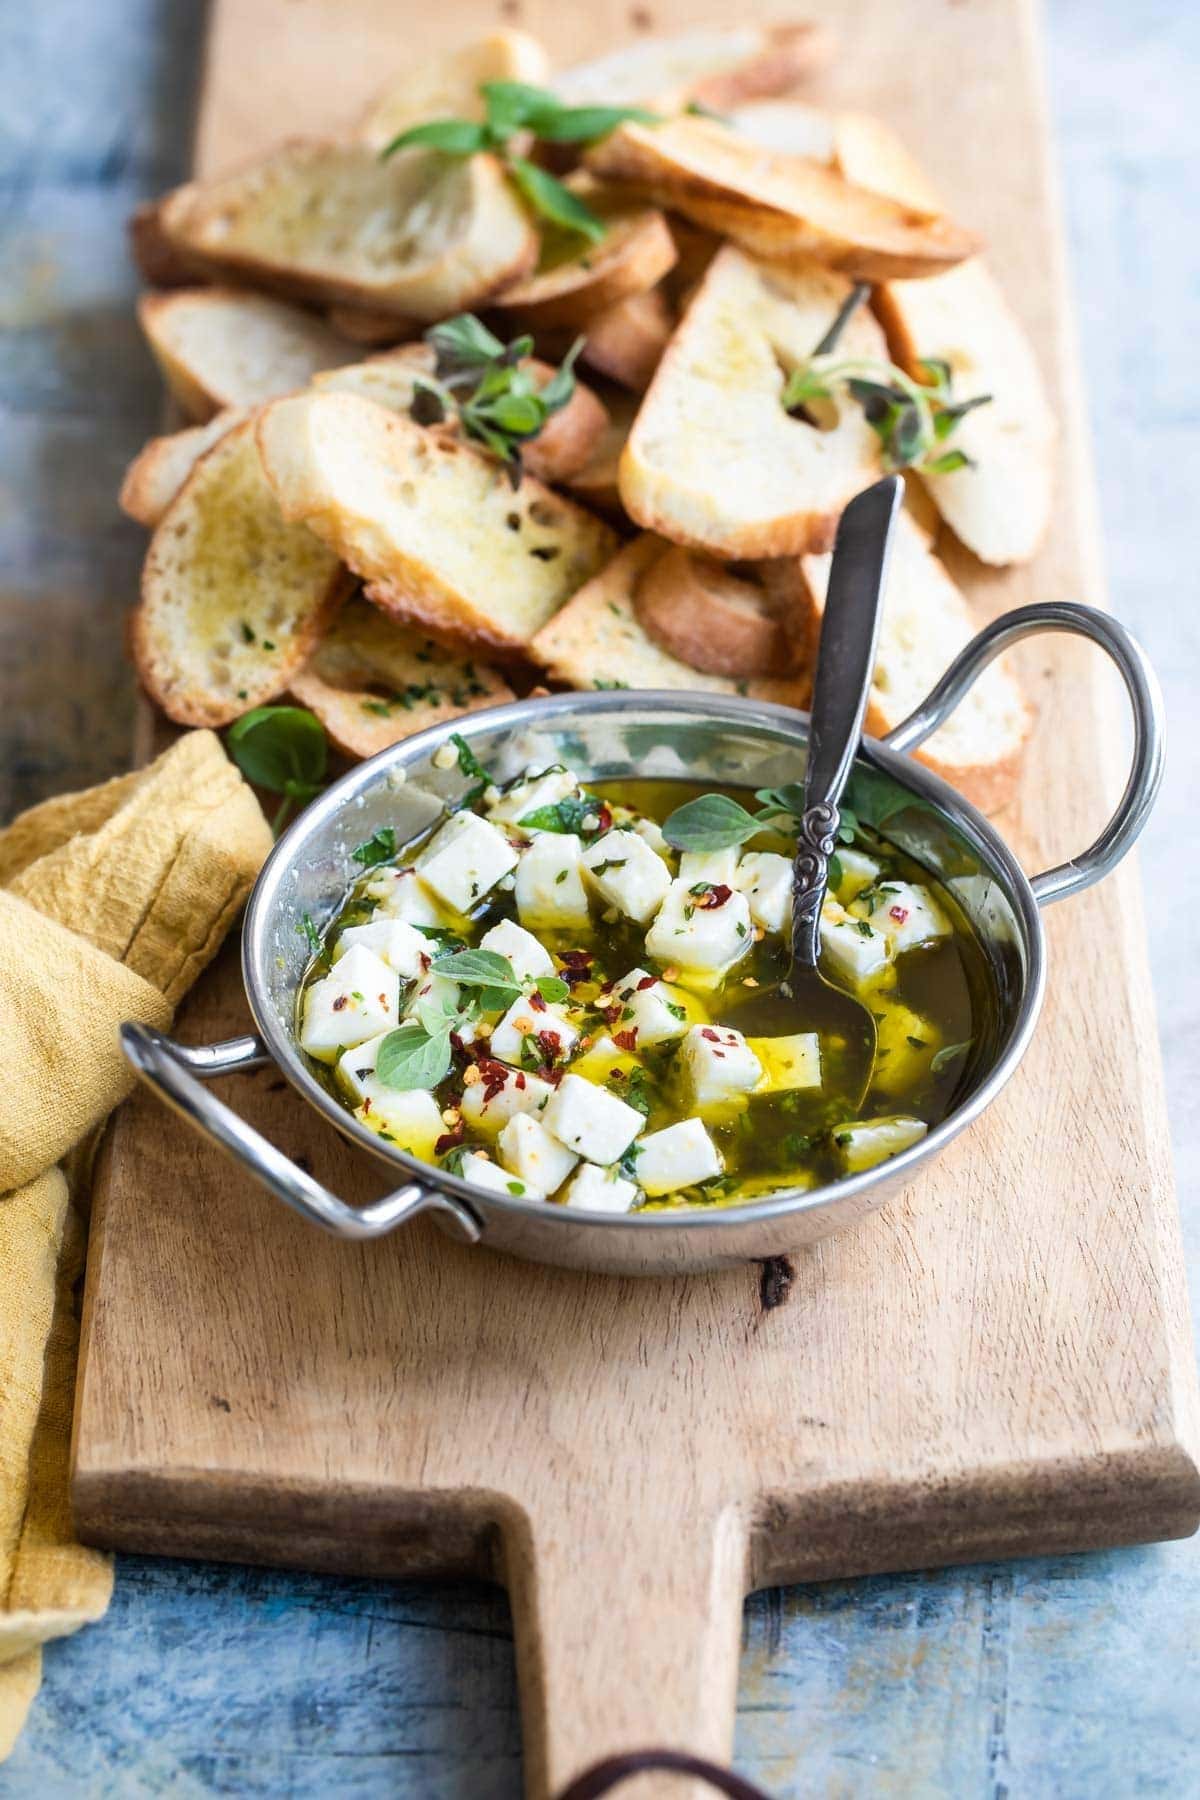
(1068, 1677)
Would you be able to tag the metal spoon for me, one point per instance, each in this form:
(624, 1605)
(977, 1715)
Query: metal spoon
(806, 1000)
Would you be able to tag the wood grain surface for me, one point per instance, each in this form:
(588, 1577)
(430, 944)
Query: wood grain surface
(997, 1364)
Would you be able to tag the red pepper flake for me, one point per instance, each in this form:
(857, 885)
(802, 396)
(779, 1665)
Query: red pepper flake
(899, 913)
(383, 1001)
(605, 817)
(339, 1002)
(449, 1139)
(367, 1104)
(626, 1040)
(495, 1075)
(424, 961)
(715, 896)
(647, 981)
(537, 1004)
(577, 959)
(550, 1044)
(708, 1032)
(519, 1081)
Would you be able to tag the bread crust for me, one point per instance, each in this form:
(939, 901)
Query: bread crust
(711, 619)
(636, 252)
(627, 341)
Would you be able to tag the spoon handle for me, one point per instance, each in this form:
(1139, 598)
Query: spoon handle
(845, 663)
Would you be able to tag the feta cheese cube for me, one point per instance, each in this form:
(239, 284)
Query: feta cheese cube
(489, 1103)
(679, 1156)
(357, 1000)
(766, 880)
(527, 956)
(397, 943)
(650, 833)
(603, 1060)
(649, 1007)
(869, 1141)
(906, 915)
(528, 1151)
(549, 889)
(788, 1062)
(695, 935)
(536, 1018)
(600, 1190)
(856, 950)
(858, 872)
(545, 788)
(410, 1117)
(400, 895)
(482, 1172)
(718, 1064)
(464, 861)
(627, 874)
(907, 1044)
(595, 1123)
(355, 1067)
(717, 866)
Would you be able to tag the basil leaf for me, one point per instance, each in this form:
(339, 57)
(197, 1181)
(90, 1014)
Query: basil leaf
(949, 1053)
(411, 1057)
(280, 748)
(561, 385)
(585, 124)
(453, 137)
(520, 415)
(513, 105)
(788, 799)
(552, 987)
(565, 815)
(437, 1015)
(379, 847)
(426, 406)
(478, 968)
(835, 872)
(464, 342)
(945, 420)
(713, 822)
(551, 200)
(468, 762)
(947, 464)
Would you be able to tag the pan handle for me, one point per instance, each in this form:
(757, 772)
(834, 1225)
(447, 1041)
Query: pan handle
(175, 1072)
(1149, 727)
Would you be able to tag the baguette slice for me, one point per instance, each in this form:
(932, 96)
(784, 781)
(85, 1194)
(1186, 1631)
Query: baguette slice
(155, 258)
(718, 67)
(788, 126)
(372, 681)
(564, 446)
(431, 524)
(597, 641)
(926, 622)
(626, 342)
(1000, 508)
(776, 205)
(358, 325)
(446, 85)
(221, 347)
(713, 461)
(709, 618)
(420, 235)
(596, 483)
(571, 284)
(161, 467)
(233, 598)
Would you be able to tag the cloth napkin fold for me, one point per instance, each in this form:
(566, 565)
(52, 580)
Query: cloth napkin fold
(111, 903)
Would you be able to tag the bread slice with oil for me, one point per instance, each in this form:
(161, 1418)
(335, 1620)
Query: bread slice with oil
(233, 597)
(421, 235)
(446, 85)
(573, 281)
(219, 347)
(713, 460)
(161, 467)
(432, 525)
(710, 618)
(715, 67)
(372, 681)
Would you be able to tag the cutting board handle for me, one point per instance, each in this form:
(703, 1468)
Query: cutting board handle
(627, 1621)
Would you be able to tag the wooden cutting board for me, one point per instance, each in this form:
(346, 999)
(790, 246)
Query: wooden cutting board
(998, 1364)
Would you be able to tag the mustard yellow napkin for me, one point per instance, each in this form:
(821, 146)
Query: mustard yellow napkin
(111, 903)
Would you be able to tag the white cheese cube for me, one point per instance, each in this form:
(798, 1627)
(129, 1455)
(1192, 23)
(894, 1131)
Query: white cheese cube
(788, 1062)
(602, 1060)
(627, 874)
(695, 935)
(549, 890)
(766, 880)
(528, 1151)
(717, 866)
(856, 950)
(679, 1156)
(482, 1172)
(718, 1064)
(464, 861)
(650, 833)
(906, 1046)
(863, 1144)
(400, 895)
(544, 788)
(858, 872)
(356, 1067)
(906, 915)
(528, 958)
(536, 1018)
(600, 1190)
(397, 943)
(357, 1000)
(649, 1007)
(489, 1103)
(591, 1121)
(410, 1117)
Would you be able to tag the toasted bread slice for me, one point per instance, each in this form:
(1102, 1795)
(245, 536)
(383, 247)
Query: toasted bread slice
(233, 598)
(564, 445)
(420, 235)
(446, 85)
(571, 284)
(776, 205)
(431, 524)
(161, 467)
(713, 460)
(155, 258)
(596, 483)
(220, 347)
(358, 325)
(709, 618)
(372, 681)
(1000, 507)
(926, 622)
(718, 67)
(627, 341)
(598, 641)
(788, 126)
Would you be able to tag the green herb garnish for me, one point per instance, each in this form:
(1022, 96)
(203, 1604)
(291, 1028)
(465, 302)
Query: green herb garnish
(414, 1057)
(481, 381)
(948, 1054)
(380, 847)
(282, 749)
(308, 927)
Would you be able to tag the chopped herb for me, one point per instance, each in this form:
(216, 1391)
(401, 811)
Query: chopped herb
(309, 929)
(950, 1053)
(606, 686)
(380, 847)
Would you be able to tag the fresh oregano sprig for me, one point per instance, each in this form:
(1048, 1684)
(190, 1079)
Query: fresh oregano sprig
(718, 822)
(419, 1052)
(512, 107)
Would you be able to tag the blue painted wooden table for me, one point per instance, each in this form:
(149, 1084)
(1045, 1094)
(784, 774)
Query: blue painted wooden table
(1075, 1677)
